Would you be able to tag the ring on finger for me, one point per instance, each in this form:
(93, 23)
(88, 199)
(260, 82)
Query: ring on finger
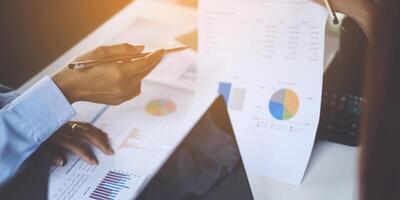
(74, 127)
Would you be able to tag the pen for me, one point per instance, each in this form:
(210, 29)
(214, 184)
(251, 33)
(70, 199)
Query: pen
(332, 12)
(91, 63)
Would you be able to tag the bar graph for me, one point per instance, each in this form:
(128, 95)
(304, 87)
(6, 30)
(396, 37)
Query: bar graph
(224, 89)
(234, 97)
(132, 140)
(111, 185)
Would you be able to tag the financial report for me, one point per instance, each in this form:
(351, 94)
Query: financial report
(266, 59)
(143, 133)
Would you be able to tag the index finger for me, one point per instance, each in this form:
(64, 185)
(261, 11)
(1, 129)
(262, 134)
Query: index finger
(98, 138)
(118, 50)
(143, 66)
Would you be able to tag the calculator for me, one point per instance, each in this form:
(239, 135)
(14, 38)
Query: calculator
(340, 118)
(342, 100)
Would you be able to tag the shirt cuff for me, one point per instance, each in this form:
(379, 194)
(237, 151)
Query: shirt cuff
(44, 108)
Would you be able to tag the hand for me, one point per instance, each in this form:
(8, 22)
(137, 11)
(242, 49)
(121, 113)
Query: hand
(77, 139)
(364, 12)
(111, 83)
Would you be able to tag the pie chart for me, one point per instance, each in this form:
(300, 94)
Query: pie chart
(284, 104)
(161, 107)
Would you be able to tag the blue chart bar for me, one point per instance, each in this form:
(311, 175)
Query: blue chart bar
(224, 89)
(110, 186)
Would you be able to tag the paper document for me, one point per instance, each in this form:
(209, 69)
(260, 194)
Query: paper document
(151, 33)
(179, 70)
(266, 59)
(143, 132)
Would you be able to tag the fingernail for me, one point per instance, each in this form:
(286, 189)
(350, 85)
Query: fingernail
(94, 161)
(60, 162)
(139, 47)
(162, 52)
(111, 151)
(159, 52)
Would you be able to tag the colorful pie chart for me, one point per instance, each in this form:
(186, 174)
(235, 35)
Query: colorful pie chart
(161, 107)
(284, 104)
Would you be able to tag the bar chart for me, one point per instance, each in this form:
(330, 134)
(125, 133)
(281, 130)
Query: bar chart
(132, 141)
(111, 185)
(234, 96)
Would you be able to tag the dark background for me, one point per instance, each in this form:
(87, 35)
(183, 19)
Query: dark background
(34, 33)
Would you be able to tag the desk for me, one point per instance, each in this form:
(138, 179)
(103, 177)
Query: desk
(332, 171)
(331, 175)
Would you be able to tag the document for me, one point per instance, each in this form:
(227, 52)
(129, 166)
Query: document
(179, 70)
(151, 33)
(143, 133)
(266, 59)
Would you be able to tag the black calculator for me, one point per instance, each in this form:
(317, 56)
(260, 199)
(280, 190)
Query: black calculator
(340, 118)
(342, 100)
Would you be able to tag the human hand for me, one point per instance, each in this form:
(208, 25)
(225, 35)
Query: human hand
(77, 138)
(364, 12)
(111, 83)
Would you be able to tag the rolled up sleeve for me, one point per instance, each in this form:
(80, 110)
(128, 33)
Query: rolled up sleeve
(28, 121)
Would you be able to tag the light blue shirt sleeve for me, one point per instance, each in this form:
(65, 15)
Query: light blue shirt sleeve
(28, 121)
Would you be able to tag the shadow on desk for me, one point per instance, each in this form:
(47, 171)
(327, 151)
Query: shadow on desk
(31, 181)
(206, 166)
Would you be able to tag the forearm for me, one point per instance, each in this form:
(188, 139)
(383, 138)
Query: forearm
(28, 121)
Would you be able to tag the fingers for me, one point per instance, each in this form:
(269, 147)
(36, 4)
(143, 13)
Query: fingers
(143, 65)
(80, 150)
(97, 137)
(72, 140)
(55, 154)
(83, 84)
(58, 160)
(75, 145)
(111, 51)
(134, 72)
(117, 50)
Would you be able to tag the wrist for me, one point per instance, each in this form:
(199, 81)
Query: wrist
(63, 82)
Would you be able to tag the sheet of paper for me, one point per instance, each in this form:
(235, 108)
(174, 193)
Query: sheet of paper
(266, 59)
(143, 132)
(151, 33)
(178, 70)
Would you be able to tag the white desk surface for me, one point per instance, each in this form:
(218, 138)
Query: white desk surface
(331, 175)
(332, 171)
